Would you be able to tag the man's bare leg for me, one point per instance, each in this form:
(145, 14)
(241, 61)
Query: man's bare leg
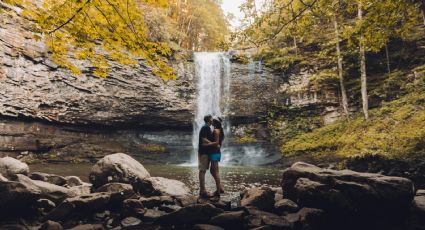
(202, 181)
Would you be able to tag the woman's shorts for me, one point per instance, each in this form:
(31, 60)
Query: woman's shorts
(215, 156)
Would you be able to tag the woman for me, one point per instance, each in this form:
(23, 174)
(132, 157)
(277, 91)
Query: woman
(215, 154)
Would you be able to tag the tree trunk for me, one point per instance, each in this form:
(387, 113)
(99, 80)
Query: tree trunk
(387, 54)
(423, 15)
(295, 45)
(340, 70)
(363, 68)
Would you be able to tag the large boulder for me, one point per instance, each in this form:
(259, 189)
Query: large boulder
(118, 167)
(348, 194)
(49, 191)
(160, 186)
(22, 192)
(16, 196)
(193, 214)
(10, 166)
(261, 198)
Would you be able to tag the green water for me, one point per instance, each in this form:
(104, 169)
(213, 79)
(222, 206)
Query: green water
(234, 178)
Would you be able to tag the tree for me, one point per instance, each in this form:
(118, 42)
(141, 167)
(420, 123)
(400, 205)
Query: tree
(363, 79)
(377, 22)
(202, 24)
(99, 31)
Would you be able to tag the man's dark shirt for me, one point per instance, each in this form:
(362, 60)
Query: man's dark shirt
(204, 133)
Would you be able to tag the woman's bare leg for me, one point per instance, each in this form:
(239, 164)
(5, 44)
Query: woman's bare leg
(216, 174)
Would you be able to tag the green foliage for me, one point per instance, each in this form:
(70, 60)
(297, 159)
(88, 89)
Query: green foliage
(245, 139)
(123, 31)
(154, 148)
(326, 77)
(99, 31)
(397, 129)
(240, 58)
(202, 24)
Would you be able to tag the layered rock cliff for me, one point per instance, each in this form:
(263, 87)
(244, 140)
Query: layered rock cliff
(32, 86)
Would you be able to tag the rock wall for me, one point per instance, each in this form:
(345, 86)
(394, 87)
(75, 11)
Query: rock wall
(297, 91)
(32, 86)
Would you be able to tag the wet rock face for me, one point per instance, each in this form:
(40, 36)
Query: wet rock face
(297, 91)
(34, 87)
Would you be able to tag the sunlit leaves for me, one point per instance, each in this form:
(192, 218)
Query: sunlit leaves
(100, 31)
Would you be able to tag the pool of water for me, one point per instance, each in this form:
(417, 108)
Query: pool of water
(234, 178)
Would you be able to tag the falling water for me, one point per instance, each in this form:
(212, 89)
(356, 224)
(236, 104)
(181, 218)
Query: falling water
(212, 70)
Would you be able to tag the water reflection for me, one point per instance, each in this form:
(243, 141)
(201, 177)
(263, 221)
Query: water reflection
(234, 178)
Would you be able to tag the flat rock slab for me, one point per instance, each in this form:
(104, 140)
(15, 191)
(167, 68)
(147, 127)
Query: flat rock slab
(160, 186)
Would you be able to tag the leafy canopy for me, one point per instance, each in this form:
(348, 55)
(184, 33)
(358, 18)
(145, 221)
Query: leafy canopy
(99, 31)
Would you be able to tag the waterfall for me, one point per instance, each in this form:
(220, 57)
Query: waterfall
(212, 70)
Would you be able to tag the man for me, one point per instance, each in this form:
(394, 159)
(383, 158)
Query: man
(204, 146)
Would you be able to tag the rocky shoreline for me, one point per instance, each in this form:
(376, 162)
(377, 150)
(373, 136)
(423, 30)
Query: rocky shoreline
(123, 195)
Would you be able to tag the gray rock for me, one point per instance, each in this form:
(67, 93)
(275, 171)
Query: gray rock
(169, 208)
(261, 198)
(80, 190)
(51, 225)
(118, 191)
(49, 191)
(286, 205)
(307, 218)
(81, 205)
(152, 215)
(346, 192)
(102, 215)
(192, 214)
(17, 195)
(186, 200)
(133, 207)
(257, 218)
(88, 227)
(206, 227)
(10, 166)
(418, 206)
(45, 204)
(3, 179)
(130, 221)
(50, 178)
(229, 220)
(151, 202)
(118, 167)
(72, 181)
(115, 188)
(168, 200)
(159, 186)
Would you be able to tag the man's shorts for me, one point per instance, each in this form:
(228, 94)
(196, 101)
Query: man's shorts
(203, 162)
